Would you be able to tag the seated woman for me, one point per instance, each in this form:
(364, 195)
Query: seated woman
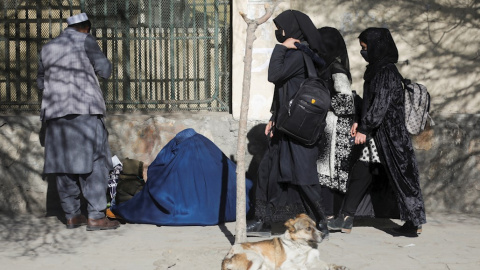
(190, 182)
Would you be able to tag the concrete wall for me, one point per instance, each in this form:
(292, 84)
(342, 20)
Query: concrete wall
(438, 38)
(448, 155)
(23, 188)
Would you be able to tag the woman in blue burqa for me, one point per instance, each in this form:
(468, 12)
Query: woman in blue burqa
(190, 182)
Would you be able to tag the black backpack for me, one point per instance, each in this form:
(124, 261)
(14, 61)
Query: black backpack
(303, 117)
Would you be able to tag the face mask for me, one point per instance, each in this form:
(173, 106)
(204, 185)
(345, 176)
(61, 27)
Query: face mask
(364, 54)
(279, 35)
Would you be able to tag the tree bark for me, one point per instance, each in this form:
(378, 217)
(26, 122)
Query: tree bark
(252, 25)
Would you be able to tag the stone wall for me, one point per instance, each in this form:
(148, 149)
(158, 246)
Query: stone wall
(437, 41)
(449, 158)
(448, 155)
(23, 188)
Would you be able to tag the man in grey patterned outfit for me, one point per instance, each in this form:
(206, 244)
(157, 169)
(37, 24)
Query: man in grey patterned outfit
(73, 111)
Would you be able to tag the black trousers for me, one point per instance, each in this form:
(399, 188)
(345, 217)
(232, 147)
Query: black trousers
(328, 201)
(360, 180)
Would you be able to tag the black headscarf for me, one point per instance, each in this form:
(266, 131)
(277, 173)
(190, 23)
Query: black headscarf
(334, 47)
(299, 26)
(381, 50)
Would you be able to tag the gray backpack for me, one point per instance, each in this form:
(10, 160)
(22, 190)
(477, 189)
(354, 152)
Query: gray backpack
(417, 107)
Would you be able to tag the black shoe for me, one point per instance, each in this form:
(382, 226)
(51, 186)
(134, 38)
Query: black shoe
(335, 224)
(408, 226)
(258, 228)
(341, 223)
(347, 224)
(407, 229)
(323, 228)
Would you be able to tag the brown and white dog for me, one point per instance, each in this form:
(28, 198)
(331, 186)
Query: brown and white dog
(295, 249)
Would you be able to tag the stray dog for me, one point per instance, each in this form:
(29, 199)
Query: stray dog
(295, 249)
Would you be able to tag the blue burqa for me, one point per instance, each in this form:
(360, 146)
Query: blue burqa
(190, 182)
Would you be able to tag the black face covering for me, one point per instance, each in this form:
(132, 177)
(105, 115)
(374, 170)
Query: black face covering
(364, 54)
(279, 35)
(299, 26)
(381, 50)
(334, 49)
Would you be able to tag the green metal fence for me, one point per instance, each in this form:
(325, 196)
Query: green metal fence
(167, 55)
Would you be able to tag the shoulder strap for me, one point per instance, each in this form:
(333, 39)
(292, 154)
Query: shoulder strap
(405, 81)
(311, 71)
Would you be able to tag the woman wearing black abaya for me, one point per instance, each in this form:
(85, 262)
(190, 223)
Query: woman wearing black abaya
(383, 119)
(334, 161)
(287, 179)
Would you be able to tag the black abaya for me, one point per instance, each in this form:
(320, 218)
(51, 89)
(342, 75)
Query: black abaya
(383, 118)
(287, 179)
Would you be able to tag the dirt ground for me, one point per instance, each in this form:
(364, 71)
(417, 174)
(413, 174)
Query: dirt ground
(448, 242)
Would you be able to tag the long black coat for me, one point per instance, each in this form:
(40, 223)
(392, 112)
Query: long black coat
(384, 119)
(297, 162)
(287, 176)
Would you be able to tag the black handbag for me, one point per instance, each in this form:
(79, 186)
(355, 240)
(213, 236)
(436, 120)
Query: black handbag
(303, 117)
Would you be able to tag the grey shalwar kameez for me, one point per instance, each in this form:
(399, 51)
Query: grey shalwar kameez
(73, 109)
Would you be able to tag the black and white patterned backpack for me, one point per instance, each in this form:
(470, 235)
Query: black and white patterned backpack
(417, 107)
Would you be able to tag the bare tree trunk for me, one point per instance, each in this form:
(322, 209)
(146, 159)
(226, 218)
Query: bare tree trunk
(252, 25)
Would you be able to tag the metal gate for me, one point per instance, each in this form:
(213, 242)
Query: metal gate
(167, 55)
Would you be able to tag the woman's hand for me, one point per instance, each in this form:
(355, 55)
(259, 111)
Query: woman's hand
(360, 138)
(269, 129)
(290, 43)
(353, 130)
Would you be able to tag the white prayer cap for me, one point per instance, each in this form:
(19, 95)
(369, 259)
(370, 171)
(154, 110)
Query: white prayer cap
(77, 19)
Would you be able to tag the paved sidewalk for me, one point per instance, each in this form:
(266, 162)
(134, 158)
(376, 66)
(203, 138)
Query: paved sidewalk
(448, 242)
